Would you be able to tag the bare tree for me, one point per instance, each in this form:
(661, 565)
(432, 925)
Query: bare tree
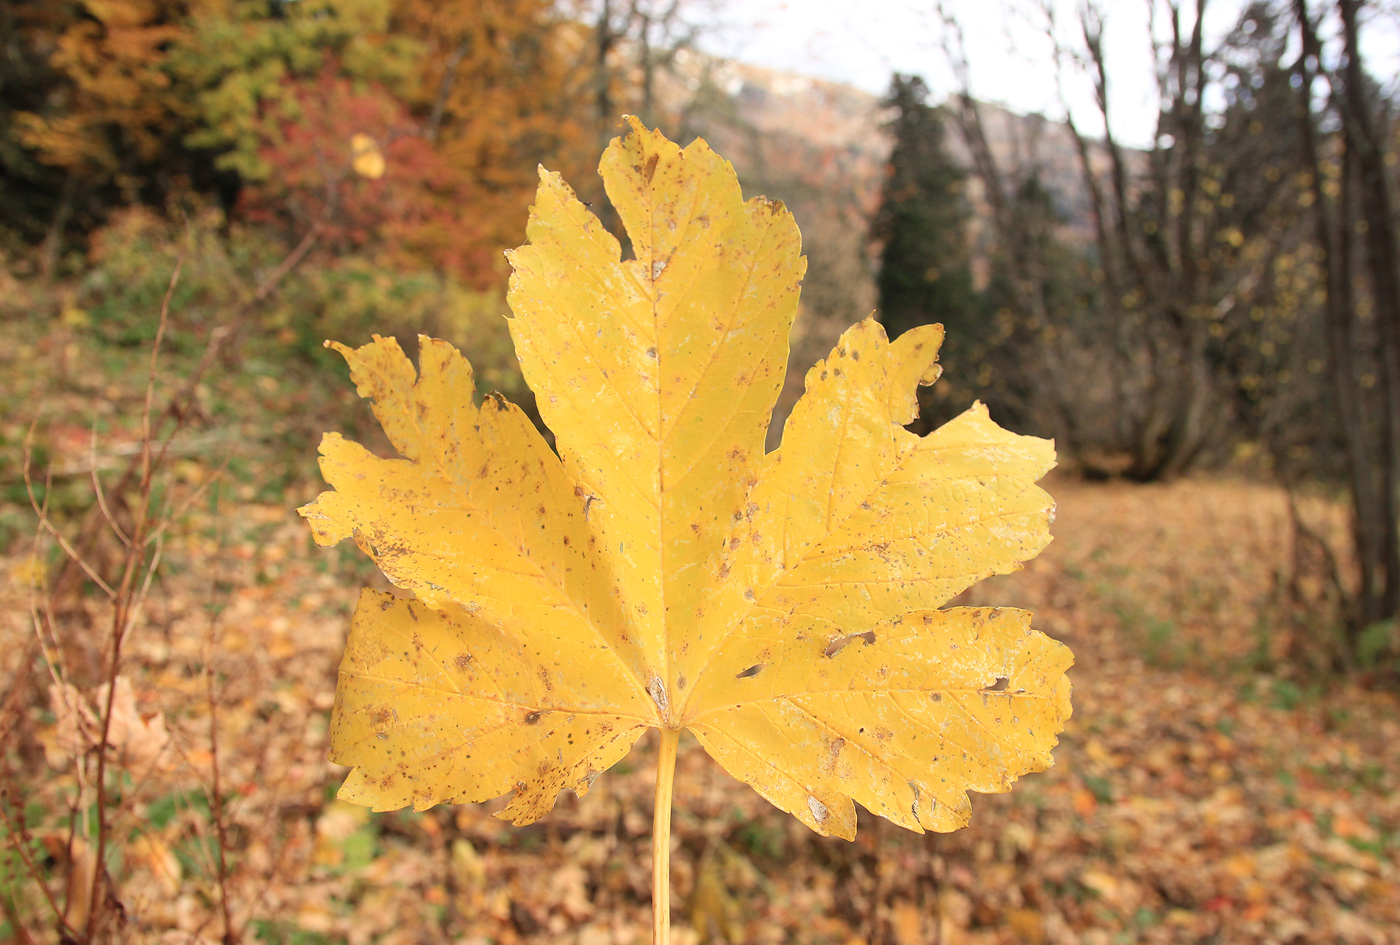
(631, 44)
(1363, 205)
(1153, 233)
(1127, 374)
(1042, 391)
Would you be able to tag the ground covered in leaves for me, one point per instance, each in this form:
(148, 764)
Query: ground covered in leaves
(1205, 789)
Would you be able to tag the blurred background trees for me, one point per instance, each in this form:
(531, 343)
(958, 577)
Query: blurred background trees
(1226, 295)
(1229, 290)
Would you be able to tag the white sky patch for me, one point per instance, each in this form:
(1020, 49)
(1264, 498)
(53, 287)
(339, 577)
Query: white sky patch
(862, 43)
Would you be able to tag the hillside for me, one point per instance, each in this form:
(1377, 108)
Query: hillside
(845, 126)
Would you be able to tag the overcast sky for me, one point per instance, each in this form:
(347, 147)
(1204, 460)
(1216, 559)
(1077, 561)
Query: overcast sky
(863, 42)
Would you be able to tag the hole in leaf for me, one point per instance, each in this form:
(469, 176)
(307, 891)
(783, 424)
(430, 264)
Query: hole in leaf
(753, 670)
(998, 686)
(840, 643)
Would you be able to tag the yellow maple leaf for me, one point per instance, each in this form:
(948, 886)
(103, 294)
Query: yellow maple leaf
(663, 571)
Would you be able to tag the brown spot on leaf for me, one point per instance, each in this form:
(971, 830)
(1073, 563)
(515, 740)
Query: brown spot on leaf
(532, 718)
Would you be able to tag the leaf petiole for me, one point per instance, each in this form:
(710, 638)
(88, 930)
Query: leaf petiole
(661, 839)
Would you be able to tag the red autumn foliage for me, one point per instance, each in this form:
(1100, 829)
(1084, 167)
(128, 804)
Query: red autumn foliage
(417, 212)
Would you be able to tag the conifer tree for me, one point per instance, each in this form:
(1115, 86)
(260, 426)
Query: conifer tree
(922, 223)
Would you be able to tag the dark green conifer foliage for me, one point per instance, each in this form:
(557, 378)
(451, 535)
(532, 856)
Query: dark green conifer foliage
(922, 223)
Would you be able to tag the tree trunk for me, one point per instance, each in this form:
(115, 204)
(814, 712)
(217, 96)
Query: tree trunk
(1365, 148)
(1369, 440)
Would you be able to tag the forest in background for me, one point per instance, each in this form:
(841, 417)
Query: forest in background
(338, 167)
(235, 182)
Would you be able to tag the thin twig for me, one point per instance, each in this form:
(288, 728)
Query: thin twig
(177, 407)
(53, 663)
(97, 490)
(188, 504)
(216, 806)
(12, 917)
(288, 264)
(21, 831)
(11, 715)
(146, 581)
(57, 673)
(44, 522)
(127, 602)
